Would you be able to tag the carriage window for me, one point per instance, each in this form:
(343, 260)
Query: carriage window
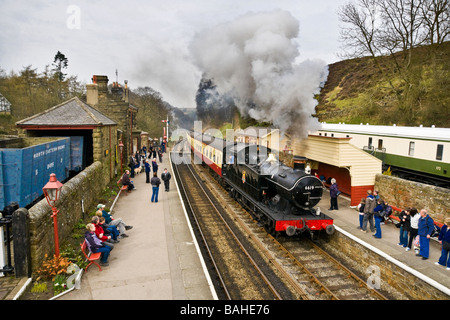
(439, 151)
(370, 143)
(380, 144)
(411, 149)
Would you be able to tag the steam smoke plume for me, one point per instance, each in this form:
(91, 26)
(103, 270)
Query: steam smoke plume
(253, 60)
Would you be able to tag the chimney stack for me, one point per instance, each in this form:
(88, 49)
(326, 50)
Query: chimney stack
(125, 92)
(92, 94)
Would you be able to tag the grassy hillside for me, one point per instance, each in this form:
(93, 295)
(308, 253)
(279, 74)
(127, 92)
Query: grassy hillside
(389, 90)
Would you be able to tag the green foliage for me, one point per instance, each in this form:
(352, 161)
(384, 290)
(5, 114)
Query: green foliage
(364, 91)
(74, 255)
(39, 287)
(31, 92)
(152, 109)
(59, 284)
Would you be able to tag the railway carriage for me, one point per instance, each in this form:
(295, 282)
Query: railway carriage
(420, 153)
(278, 197)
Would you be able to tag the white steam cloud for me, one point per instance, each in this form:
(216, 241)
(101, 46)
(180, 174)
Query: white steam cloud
(253, 60)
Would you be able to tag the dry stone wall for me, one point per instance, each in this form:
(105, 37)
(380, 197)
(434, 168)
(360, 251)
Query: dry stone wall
(403, 193)
(86, 186)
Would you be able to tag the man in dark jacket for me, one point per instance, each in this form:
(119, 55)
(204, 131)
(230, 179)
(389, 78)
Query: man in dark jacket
(165, 176)
(334, 192)
(147, 171)
(127, 182)
(368, 212)
(155, 186)
(426, 227)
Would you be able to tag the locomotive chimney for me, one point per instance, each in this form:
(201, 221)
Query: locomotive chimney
(299, 163)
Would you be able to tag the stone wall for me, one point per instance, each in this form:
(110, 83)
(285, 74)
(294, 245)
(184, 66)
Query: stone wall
(403, 193)
(104, 148)
(394, 280)
(86, 186)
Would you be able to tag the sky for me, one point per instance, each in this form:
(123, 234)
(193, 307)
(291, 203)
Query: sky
(149, 42)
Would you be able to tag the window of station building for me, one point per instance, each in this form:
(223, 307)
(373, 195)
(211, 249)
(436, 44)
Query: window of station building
(439, 151)
(411, 148)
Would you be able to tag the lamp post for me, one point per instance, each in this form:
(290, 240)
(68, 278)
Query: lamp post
(121, 156)
(52, 191)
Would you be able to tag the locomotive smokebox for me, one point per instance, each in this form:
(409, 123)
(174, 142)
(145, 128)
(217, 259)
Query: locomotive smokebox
(303, 190)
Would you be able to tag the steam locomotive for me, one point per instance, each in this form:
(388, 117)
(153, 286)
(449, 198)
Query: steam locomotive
(280, 198)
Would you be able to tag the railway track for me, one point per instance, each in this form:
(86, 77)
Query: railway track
(305, 268)
(238, 274)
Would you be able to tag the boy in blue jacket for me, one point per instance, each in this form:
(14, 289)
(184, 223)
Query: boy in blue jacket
(426, 227)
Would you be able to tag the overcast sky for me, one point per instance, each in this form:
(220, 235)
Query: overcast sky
(147, 41)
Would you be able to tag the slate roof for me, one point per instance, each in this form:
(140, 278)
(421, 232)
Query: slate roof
(73, 112)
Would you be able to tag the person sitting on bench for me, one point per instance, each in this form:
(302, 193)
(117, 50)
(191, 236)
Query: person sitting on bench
(126, 181)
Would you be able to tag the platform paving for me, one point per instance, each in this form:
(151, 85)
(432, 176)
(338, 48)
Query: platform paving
(347, 219)
(158, 261)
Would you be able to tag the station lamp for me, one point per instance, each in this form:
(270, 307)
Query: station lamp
(52, 191)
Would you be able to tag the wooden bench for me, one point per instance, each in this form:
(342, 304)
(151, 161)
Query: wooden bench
(122, 187)
(92, 257)
(394, 208)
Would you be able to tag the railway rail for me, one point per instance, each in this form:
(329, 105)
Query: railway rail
(237, 272)
(305, 268)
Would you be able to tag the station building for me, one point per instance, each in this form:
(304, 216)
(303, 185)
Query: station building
(92, 133)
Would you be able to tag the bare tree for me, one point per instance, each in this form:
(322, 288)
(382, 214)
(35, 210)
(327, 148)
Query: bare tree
(359, 32)
(402, 21)
(394, 28)
(436, 20)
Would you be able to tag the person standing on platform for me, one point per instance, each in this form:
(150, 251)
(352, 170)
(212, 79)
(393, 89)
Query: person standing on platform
(413, 227)
(405, 226)
(361, 206)
(147, 171)
(154, 166)
(165, 176)
(378, 218)
(368, 212)
(155, 187)
(334, 193)
(444, 240)
(426, 227)
(132, 165)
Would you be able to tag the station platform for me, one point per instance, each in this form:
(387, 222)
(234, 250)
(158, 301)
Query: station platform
(346, 219)
(159, 260)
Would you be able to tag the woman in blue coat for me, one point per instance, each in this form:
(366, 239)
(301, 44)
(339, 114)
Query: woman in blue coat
(444, 236)
(378, 218)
